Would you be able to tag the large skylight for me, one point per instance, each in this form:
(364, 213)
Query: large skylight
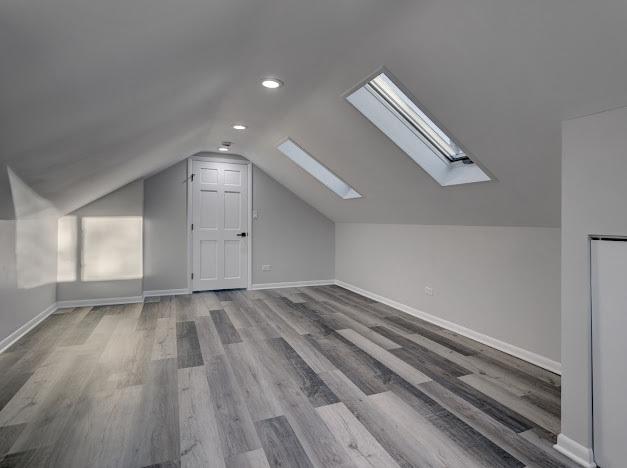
(383, 102)
(317, 170)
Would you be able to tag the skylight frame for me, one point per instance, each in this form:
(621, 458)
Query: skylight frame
(317, 170)
(389, 119)
(406, 109)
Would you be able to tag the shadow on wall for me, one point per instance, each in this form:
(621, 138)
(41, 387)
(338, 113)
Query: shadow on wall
(35, 221)
(99, 248)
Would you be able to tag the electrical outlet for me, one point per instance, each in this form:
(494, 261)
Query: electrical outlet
(266, 267)
(428, 291)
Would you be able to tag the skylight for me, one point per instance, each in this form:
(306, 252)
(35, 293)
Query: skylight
(317, 170)
(383, 102)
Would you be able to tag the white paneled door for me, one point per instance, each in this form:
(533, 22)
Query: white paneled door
(220, 225)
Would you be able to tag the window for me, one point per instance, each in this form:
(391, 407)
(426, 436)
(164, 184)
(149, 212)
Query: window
(396, 101)
(317, 170)
(383, 102)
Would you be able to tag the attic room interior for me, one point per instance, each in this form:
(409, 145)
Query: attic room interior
(313, 233)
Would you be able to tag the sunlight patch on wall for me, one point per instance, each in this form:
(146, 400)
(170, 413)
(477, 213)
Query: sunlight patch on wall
(8, 274)
(35, 235)
(67, 249)
(111, 248)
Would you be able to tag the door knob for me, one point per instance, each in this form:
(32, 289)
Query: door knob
(241, 234)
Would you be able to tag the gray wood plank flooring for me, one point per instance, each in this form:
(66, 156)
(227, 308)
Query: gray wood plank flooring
(298, 377)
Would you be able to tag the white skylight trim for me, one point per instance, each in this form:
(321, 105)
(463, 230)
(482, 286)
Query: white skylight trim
(317, 170)
(401, 119)
(391, 95)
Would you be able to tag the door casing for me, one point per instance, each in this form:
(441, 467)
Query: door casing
(235, 159)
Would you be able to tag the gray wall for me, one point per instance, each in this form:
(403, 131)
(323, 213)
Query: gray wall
(126, 201)
(499, 281)
(297, 240)
(165, 229)
(594, 191)
(18, 305)
(289, 234)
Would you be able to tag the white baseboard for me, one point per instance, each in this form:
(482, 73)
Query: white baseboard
(575, 451)
(294, 284)
(28, 326)
(521, 353)
(100, 302)
(166, 292)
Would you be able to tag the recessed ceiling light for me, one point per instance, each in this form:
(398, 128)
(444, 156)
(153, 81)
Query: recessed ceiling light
(272, 83)
(223, 149)
(239, 127)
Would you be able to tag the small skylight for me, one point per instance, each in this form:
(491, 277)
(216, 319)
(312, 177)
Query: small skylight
(383, 102)
(317, 170)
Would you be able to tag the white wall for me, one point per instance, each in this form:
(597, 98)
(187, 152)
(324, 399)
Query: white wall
(18, 305)
(499, 281)
(124, 202)
(165, 229)
(28, 242)
(594, 195)
(296, 239)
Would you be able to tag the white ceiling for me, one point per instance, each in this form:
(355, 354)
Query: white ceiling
(94, 94)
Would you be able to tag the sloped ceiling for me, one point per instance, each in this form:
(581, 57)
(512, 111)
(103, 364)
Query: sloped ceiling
(94, 94)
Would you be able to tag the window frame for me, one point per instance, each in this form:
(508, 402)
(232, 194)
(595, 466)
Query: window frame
(421, 130)
(350, 193)
(409, 140)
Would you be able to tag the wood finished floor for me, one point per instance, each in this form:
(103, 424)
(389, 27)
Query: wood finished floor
(299, 377)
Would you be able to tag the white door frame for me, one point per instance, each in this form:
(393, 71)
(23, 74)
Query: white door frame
(190, 250)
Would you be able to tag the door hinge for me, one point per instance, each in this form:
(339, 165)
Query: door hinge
(192, 275)
(193, 177)
(192, 226)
